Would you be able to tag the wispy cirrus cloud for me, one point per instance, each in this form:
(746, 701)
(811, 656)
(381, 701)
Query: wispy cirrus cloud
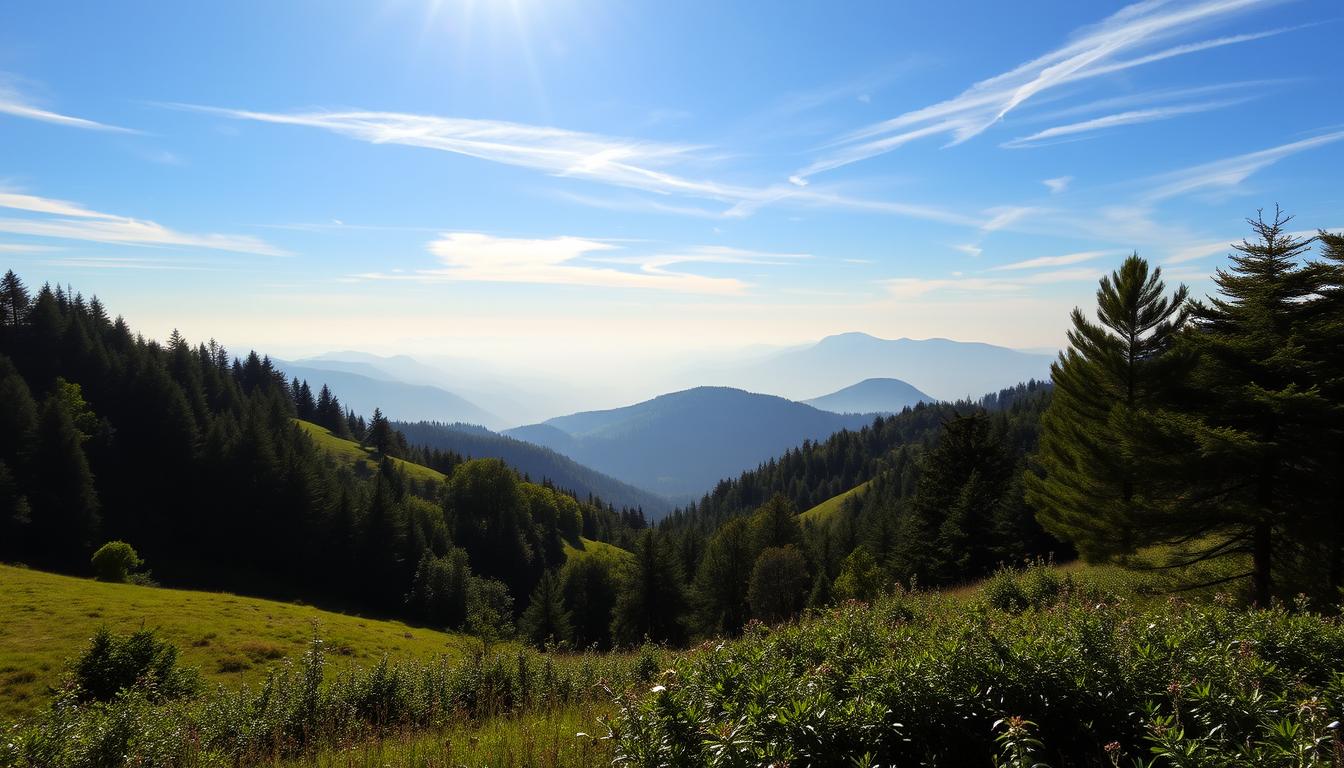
(1134, 32)
(63, 220)
(577, 261)
(1057, 184)
(15, 104)
(919, 287)
(647, 166)
(1053, 261)
(1116, 120)
(1228, 173)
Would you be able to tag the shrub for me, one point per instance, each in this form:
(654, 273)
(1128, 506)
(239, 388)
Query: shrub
(114, 561)
(115, 663)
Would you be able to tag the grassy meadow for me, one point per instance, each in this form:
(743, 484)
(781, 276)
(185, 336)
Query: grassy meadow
(48, 619)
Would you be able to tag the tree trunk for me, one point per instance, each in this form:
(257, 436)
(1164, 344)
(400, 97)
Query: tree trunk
(1260, 579)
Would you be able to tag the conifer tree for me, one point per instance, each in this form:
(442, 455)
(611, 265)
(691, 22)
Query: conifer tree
(589, 585)
(1089, 489)
(62, 499)
(1259, 393)
(13, 300)
(721, 581)
(651, 601)
(545, 619)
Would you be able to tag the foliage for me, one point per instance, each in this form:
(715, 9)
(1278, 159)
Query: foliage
(115, 663)
(1079, 679)
(303, 708)
(779, 583)
(114, 561)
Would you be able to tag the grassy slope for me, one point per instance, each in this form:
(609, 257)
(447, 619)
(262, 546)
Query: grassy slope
(49, 618)
(363, 458)
(825, 509)
(590, 548)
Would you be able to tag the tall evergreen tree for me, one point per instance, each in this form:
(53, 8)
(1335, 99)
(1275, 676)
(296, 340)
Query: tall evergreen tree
(651, 603)
(1259, 392)
(62, 499)
(545, 619)
(1090, 489)
(719, 595)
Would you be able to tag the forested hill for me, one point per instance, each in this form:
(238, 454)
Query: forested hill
(682, 443)
(195, 458)
(817, 470)
(534, 461)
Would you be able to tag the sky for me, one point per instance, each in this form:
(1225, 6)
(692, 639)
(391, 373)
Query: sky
(590, 184)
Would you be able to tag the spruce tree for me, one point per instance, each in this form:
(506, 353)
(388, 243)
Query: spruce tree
(651, 602)
(62, 500)
(1089, 489)
(545, 619)
(719, 594)
(1259, 395)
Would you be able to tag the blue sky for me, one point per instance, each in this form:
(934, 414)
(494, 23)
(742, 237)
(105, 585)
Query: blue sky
(555, 180)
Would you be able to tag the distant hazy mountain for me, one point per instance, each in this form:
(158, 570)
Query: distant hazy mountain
(514, 401)
(364, 391)
(948, 370)
(871, 396)
(537, 462)
(681, 444)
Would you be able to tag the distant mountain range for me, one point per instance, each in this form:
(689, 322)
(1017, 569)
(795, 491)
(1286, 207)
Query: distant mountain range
(871, 396)
(364, 387)
(535, 461)
(681, 444)
(947, 370)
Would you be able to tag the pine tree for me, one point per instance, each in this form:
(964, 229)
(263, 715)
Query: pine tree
(651, 602)
(380, 435)
(590, 585)
(1089, 489)
(62, 499)
(1259, 393)
(545, 619)
(13, 301)
(775, 524)
(719, 593)
(1326, 312)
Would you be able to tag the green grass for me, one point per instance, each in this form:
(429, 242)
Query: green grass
(48, 619)
(823, 511)
(601, 549)
(363, 459)
(542, 739)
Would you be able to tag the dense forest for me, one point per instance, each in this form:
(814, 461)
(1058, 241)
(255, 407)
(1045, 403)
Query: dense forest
(197, 460)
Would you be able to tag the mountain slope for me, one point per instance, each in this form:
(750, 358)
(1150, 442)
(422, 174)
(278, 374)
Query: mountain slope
(871, 396)
(363, 391)
(681, 444)
(535, 461)
(945, 369)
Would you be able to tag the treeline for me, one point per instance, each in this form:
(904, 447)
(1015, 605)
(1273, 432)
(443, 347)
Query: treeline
(196, 458)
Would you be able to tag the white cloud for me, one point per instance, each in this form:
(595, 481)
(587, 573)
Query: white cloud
(16, 105)
(1112, 121)
(622, 162)
(64, 220)
(970, 249)
(478, 257)
(1094, 51)
(1230, 172)
(1057, 184)
(918, 287)
(1053, 261)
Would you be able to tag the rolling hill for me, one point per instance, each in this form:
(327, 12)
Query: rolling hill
(49, 618)
(947, 370)
(871, 396)
(681, 444)
(360, 388)
(535, 461)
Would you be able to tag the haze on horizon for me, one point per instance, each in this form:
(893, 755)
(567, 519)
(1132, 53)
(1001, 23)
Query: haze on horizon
(608, 194)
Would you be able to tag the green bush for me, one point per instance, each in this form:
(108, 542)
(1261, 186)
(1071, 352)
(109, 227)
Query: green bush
(114, 561)
(115, 663)
(938, 682)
